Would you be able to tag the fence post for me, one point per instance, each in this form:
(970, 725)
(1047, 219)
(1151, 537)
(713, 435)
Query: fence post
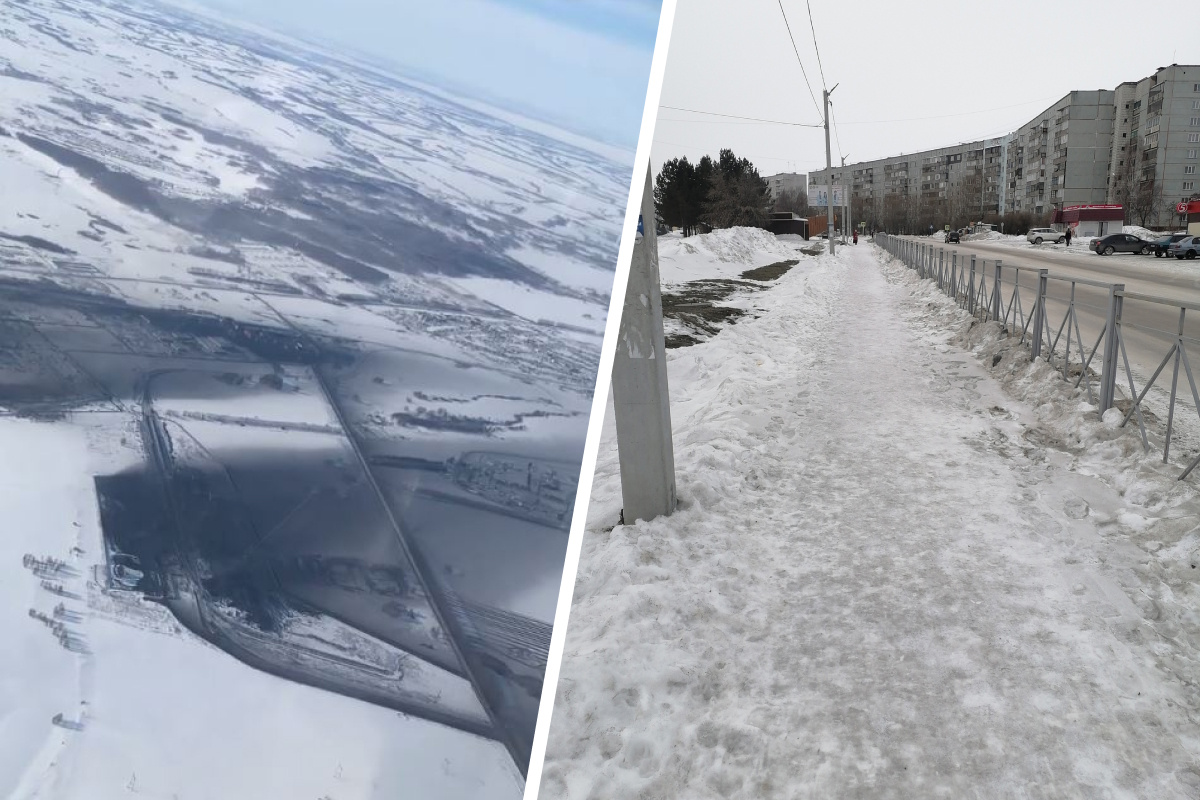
(971, 288)
(941, 265)
(954, 274)
(1039, 315)
(996, 299)
(641, 398)
(1112, 348)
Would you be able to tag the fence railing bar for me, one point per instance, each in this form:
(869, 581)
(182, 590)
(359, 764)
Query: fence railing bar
(1162, 301)
(1187, 368)
(1149, 384)
(1132, 391)
(1088, 362)
(1174, 387)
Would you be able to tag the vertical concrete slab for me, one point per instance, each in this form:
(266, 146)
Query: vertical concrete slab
(642, 402)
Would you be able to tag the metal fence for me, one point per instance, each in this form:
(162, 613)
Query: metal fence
(1084, 328)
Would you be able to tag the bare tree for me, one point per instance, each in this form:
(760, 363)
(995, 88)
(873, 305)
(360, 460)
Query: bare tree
(796, 202)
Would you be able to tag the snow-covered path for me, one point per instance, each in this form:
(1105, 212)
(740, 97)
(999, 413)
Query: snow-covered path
(882, 583)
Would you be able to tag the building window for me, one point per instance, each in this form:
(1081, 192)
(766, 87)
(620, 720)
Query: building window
(1189, 186)
(1191, 153)
(1189, 170)
(1193, 137)
(1195, 121)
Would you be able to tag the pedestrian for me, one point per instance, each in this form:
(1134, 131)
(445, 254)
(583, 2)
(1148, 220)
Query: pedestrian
(856, 236)
(1068, 237)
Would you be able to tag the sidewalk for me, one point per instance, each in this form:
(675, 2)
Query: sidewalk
(885, 580)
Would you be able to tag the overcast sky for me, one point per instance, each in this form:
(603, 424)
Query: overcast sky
(984, 71)
(582, 64)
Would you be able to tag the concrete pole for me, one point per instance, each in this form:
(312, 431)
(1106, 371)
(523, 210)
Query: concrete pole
(641, 399)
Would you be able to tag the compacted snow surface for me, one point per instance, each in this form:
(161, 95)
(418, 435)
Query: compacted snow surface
(895, 571)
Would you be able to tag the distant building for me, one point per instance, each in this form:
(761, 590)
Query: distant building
(787, 182)
(1136, 146)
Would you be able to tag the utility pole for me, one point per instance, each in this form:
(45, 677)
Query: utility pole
(846, 229)
(828, 171)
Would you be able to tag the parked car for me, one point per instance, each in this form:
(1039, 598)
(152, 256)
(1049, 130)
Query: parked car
(1187, 247)
(952, 236)
(1039, 235)
(1161, 245)
(1121, 243)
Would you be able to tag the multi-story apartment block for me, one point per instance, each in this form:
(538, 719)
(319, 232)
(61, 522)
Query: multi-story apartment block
(1136, 145)
(1156, 143)
(787, 182)
(1061, 157)
(968, 175)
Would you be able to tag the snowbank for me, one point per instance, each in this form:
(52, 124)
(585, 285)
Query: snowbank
(724, 253)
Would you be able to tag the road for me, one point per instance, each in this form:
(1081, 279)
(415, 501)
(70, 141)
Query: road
(1148, 328)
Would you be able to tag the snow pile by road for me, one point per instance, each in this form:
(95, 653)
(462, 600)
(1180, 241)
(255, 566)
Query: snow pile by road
(724, 253)
(887, 577)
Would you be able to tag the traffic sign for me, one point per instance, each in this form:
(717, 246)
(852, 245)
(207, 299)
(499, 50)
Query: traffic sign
(1181, 208)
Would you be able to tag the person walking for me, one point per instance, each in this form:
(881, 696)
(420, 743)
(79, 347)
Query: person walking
(1068, 237)
(856, 236)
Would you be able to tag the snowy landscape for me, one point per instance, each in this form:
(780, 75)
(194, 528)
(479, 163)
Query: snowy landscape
(907, 562)
(295, 365)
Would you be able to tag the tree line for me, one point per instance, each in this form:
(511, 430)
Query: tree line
(721, 193)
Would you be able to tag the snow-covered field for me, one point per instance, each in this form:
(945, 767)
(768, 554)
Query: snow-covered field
(314, 263)
(161, 713)
(899, 568)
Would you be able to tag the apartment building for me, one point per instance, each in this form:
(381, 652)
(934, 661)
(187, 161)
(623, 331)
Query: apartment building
(1136, 145)
(1156, 143)
(1061, 157)
(787, 182)
(968, 175)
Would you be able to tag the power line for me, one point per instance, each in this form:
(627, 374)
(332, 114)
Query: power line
(750, 119)
(944, 116)
(796, 50)
(833, 124)
(815, 48)
(757, 156)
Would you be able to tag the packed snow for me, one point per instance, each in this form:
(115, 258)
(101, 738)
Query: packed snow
(724, 253)
(906, 563)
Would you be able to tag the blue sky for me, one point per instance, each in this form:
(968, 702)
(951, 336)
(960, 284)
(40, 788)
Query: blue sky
(581, 64)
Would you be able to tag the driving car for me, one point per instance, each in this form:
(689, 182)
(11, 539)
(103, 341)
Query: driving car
(1039, 235)
(952, 236)
(1121, 243)
(1187, 247)
(1161, 245)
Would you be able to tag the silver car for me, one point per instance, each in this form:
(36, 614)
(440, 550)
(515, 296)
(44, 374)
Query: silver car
(1187, 247)
(1039, 235)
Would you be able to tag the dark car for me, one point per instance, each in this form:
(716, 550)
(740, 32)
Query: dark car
(1121, 243)
(952, 236)
(1161, 245)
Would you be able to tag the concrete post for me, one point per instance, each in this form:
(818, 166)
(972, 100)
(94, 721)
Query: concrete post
(941, 268)
(1112, 348)
(641, 399)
